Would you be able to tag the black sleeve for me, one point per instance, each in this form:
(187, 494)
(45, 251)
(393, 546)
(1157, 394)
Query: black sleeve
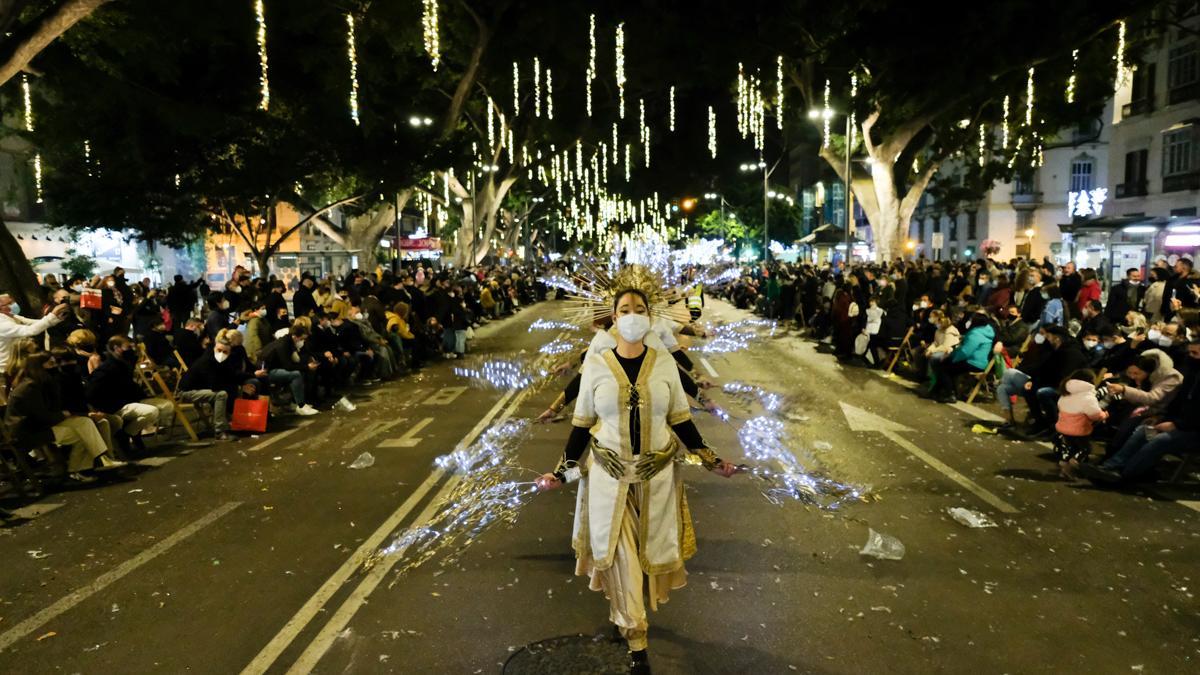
(689, 385)
(572, 390)
(688, 433)
(682, 359)
(577, 444)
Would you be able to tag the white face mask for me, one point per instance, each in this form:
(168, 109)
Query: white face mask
(633, 327)
(358, 316)
(1090, 344)
(220, 356)
(1154, 334)
(924, 304)
(299, 344)
(1165, 341)
(1039, 338)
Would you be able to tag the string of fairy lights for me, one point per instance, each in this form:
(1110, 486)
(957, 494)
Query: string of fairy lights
(352, 52)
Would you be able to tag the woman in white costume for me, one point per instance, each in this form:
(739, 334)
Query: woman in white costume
(631, 517)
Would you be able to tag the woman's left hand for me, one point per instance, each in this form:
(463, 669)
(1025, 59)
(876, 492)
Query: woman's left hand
(725, 469)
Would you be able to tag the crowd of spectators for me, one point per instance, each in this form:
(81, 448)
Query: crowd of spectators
(105, 362)
(1118, 367)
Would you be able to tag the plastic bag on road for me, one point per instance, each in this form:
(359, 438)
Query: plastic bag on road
(970, 518)
(364, 460)
(882, 546)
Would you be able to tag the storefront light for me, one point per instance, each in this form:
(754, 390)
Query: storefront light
(1184, 229)
(1140, 229)
(1182, 241)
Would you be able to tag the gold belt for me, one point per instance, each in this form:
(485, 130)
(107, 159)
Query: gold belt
(641, 468)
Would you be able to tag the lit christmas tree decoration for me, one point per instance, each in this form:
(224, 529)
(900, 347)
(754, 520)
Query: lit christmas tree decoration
(621, 66)
(1071, 79)
(429, 25)
(779, 92)
(1119, 57)
(712, 132)
(671, 112)
(352, 52)
(264, 85)
(591, 69)
(537, 87)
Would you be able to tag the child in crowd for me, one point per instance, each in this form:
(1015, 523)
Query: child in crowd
(1078, 409)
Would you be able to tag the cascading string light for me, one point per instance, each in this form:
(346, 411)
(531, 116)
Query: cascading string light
(621, 66)
(826, 115)
(779, 92)
(671, 111)
(491, 126)
(352, 53)
(429, 26)
(537, 87)
(628, 162)
(27, 94)
(853, 116)
(616, 146)
(1071, 79)
(591, 69)
(264, 84)
(549, 95)
(982, 145)
(1029, 99)
(1122, 71)
(712, 132)
(1004, 124)
(516, 89)
(87, 155)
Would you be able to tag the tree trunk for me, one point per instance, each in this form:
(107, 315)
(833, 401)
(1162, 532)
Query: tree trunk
(28, 41)
(263, 258)
(17, 277)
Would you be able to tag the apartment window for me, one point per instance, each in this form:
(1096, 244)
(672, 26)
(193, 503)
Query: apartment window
(953, 226)
(1181, 66)
(937, 225)
(1178, 149)
(1024, 221)
(1023, 184)
(1185, 212)
(1135, 174)
(1081, 174)
(972, 225)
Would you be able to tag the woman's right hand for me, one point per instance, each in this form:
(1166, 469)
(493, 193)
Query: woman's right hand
(547, 482)
(548, 415)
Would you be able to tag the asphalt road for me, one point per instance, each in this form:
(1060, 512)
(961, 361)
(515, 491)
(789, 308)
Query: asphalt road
(247, 556)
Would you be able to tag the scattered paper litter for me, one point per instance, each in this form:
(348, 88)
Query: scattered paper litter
(973, 519)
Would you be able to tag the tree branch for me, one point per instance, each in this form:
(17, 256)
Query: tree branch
(27, 42)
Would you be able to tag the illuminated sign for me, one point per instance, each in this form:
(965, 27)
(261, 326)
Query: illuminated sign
(1086, 202)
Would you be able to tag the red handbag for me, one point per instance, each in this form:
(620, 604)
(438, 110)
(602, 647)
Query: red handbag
(250, 414)
(90, 298)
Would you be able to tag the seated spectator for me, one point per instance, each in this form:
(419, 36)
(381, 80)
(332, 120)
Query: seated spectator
(188, 341)
(14, 327)
(71, 379)
(1176, 431)
(1093, 318)
(970, 356)
(1012, 332)
(37, 417)
(1055, 356)
(1150, 384)
(1078, 408)
(113, 389)
(218, 312)
(945, 338)
(1054, 311)
(157, 346)
(211, 381)
(259, 331)
(281, 359)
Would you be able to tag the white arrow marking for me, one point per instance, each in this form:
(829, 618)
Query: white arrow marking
(408, 440)
(708, 366)
(861, 420)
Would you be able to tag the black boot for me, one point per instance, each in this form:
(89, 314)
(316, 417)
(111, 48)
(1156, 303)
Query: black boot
(639, 663)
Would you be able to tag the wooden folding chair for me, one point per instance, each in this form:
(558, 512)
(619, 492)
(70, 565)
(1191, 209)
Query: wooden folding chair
(179, 359)
(903, 348)
(982, 377)
(180, 407)
(1021, 352)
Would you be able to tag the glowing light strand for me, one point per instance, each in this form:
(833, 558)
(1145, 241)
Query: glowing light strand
(352, 53)
(1119, 57)
(1071, 79)
(516, 86)
(537, 87)
(712, 132)
(779, 92)
(827, 116)
(620, 54)
(549, 95)
(1004, 124)
(671, 111)
(429, 27)
(27, 94)
(264, 83)
(591, 69)
(1029, 99)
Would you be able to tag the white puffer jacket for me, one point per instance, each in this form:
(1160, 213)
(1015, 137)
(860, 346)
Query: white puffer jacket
(1163, 383)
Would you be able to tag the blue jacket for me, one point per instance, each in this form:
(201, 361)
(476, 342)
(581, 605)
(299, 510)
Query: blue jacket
(976, 347)
(1052, 314)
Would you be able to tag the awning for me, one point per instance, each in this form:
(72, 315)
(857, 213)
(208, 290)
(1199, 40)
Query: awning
(825, 234)
(1112, 224)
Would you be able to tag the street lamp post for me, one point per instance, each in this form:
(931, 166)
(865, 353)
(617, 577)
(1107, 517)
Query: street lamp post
(827, 113)
(762, 165)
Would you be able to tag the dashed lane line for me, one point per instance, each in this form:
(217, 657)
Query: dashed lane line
(712, 372)
(12, 635)
(278, 437)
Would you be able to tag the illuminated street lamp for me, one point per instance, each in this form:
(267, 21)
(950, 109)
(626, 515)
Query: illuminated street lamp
(827, 114)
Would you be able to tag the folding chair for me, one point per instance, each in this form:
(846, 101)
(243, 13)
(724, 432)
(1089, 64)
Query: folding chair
(1021, 352)
(982, 378)
(903, 348)
(179, 359)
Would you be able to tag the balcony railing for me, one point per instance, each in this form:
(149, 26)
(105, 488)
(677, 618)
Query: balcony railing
(1137, 107)
(1133, 189)
(1187, 92)
(1029, 199)
(1181, 182)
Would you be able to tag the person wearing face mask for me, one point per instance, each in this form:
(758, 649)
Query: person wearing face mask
(1053, 311)
(1032, 302)
(1149, 384)
(218, 315)
(633, 522)
(113, 389)
(277, 309)
(1052, 356)
(1012, 331)
(283, 363)
(1175, 431)
(14, 327)
(211, 381)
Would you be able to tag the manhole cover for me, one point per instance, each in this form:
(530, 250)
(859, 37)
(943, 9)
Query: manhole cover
(574, 654)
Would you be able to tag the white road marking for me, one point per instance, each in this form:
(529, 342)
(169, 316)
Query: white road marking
(270, 653)
(409, 439)
(373, 429)
(115, 574)
(36, 510)
(708, 366)
(445, 396)
(1195, 506)
(278, 437)
(861, 420)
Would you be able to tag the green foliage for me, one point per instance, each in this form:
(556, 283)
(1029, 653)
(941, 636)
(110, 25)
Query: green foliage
(79, 264)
